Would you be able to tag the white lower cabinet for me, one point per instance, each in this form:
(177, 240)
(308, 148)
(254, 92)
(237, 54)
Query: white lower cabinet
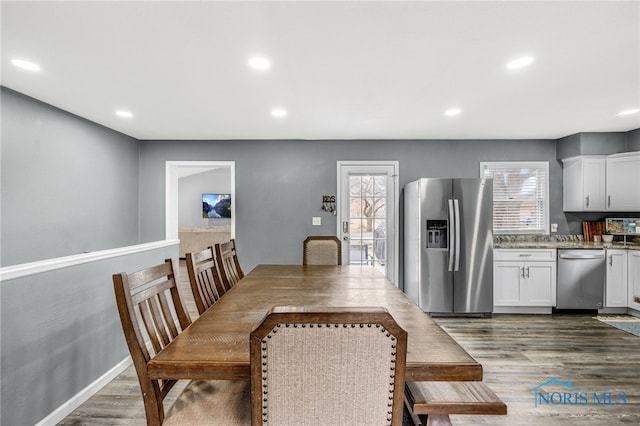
(633, 278)
(616, 294)
(524, 278)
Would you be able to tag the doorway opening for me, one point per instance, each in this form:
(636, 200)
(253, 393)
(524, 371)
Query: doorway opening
(175, 170)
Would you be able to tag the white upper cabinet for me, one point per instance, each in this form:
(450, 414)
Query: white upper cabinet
(602, 183)
(584, 183)
(623, 182)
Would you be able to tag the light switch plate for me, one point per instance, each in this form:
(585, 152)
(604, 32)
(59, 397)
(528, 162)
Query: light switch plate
(554, 227)
(316, 221)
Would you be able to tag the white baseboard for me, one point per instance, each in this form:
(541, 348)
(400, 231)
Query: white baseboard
(78, 399)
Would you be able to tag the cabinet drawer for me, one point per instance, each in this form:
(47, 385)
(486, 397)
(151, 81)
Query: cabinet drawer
(528, 255)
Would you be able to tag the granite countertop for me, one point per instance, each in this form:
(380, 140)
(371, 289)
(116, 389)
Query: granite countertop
(556, 242)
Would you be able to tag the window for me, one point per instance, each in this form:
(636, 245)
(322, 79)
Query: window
(520, 196)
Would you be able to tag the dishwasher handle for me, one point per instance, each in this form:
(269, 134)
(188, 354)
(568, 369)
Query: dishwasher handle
(582, 256)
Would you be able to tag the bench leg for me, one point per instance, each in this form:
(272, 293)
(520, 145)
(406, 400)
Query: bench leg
(436, 420)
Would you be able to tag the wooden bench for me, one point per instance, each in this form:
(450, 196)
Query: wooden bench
(433, 402)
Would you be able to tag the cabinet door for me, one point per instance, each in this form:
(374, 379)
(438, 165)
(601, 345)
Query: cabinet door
(572, 188)
(584, 183)
(593, 175)
(539, 285)
(623, 175)
(506, 283)
(633, 278)
(616, 284)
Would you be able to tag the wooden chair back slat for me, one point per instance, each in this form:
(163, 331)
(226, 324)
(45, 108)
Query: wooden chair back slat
(207, 287)
(150, 296)
(228, 264)
(204, 278)
(153, 331)
(146, 276)
(163, 318)
(150, 292)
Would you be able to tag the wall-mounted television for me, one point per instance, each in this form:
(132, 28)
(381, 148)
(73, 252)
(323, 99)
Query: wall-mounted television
(216, 206)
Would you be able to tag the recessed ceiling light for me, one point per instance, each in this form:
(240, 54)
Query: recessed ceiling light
(25, 65)
(520, 62)
(279, 112)
(452, 112)
(629, 111)
(124, 114)
(259, 63)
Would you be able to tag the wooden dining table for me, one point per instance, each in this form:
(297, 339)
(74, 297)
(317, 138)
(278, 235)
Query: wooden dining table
(216, 344)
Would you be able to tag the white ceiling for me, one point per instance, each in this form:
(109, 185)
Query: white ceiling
(342, 69)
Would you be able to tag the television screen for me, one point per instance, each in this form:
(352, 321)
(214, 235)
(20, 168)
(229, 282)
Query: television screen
(216, 206)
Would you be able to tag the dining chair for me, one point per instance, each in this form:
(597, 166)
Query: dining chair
(204, 278)
(148, 312)
(228, 264)
(322, 250)
(312, 366)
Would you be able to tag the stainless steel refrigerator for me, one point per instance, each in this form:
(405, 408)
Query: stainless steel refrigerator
(448, 245)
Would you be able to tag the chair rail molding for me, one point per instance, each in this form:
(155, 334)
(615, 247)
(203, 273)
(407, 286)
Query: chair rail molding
(25, 269)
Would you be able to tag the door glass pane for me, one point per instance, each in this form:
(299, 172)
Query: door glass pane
(368, 210)
(355, 183)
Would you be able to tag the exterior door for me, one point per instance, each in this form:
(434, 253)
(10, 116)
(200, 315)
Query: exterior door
(367, 210)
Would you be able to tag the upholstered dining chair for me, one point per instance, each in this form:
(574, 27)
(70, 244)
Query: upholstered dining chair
(204, 278)
(327, 366)
(147, 301)
(322, 250)
(228, 264)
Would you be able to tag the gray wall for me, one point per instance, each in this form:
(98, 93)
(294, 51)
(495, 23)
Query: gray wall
(592, 143)
(279, 184)
(190, 190)
(68, 185)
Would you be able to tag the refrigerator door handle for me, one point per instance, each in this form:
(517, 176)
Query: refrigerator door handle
(457, 231)
(451, 236)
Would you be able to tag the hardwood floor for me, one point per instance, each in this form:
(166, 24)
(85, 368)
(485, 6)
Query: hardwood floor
(518, 353)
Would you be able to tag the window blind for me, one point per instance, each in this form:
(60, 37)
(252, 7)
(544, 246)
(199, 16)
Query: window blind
(520, 196)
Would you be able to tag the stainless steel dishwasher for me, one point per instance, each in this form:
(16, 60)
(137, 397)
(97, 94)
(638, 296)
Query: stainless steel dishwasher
(581, 276)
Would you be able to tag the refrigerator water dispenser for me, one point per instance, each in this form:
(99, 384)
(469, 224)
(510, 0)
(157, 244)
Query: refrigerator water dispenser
(437, 233)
